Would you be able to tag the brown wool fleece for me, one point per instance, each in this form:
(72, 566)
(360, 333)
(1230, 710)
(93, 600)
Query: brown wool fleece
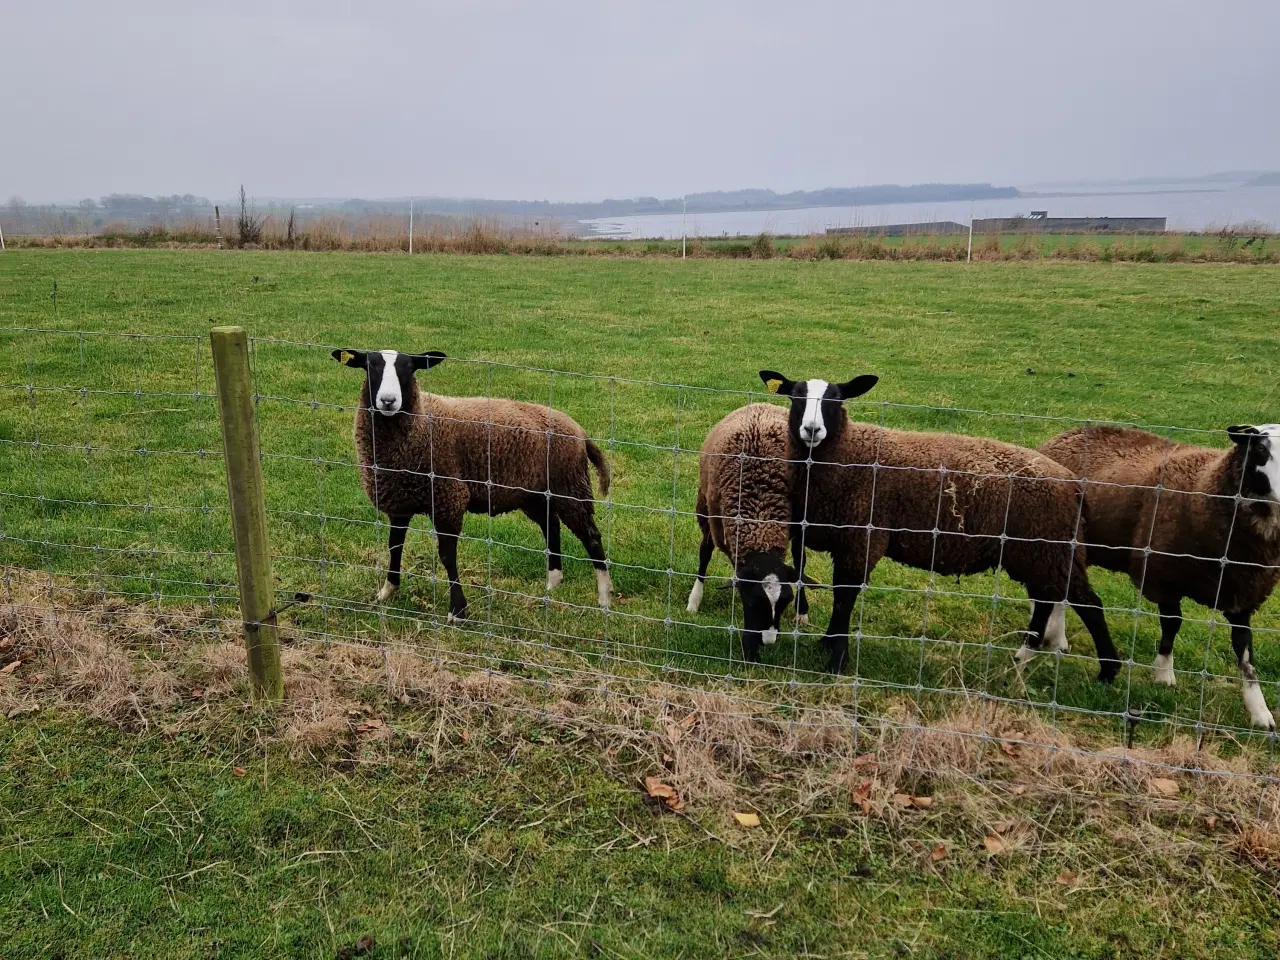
(972, 490)
(744, 481)
(1192, 514)
(465, 442)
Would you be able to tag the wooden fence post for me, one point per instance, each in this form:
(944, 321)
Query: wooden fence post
(248, 510)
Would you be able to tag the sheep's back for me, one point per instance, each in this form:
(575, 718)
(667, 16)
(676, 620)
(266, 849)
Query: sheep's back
(743, 478)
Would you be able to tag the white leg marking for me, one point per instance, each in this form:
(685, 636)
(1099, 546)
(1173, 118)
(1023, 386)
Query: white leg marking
(1055, 633)
(1162, 670)
(554, 579)
(605, 587)
(386, 593)
(1254, 700)
(769, 637)
(695, 597)
(802, 619)
(1023, 654)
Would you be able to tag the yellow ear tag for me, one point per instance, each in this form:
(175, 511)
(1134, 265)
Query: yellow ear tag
(773, 386)
(346, 357)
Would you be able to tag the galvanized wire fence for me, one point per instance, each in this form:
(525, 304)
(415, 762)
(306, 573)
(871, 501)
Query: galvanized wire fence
(112, 487)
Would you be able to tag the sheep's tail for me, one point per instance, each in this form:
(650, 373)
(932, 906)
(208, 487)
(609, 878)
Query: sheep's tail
(596, 456)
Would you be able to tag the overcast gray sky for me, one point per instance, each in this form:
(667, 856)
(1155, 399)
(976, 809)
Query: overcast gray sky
(586, 100)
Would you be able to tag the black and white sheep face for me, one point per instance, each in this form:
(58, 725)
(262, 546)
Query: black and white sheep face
(817, 411)
(388, 374)
(766, 587)
(1261, 448)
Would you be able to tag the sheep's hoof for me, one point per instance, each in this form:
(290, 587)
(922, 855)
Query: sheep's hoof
(695, 597)
(1023, 656)
(802, 619)
(386, 593)
(1162, 671)
(457, 617)
(604, 586)
(554, 579)
(1256, 704)
(1110, 668)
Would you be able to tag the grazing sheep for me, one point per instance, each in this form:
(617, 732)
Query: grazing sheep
(444, 457)
(744, 508)
(939, 502)
(1185, 521)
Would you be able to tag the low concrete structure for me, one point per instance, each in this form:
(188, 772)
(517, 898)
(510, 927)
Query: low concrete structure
(932, 228)
(1041, 222)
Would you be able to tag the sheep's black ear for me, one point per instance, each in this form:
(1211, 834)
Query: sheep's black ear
(350, 358)
(1243, 434)
(775, 382)
(425, 361)
(857, 386)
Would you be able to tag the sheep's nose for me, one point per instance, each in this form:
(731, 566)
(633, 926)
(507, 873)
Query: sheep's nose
(387, 402)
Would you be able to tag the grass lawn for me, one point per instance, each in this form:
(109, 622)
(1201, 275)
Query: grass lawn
(111, 478)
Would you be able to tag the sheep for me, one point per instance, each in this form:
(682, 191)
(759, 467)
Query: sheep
(444, 457)
(1185, 521)
(744, 508)
(944, 503)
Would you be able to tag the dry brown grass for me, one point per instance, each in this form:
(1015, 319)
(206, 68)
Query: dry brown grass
(175, 670)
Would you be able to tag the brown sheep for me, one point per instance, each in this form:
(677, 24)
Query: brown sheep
(444, 457)
(1185, 521)
(939, 502)
(744, 508)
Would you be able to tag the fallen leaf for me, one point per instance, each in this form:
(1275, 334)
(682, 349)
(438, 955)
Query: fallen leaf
(197, 693)
(903, 800)
(1004, 826)
(1067, 877)
(1009, 749)
(747, 819)
(1019, 790)
(674, 732)
(10, 667)
(36, 678)
(993, 843)
(1211, 822)
(863, 790)
(239, 771)
(1163, 787)
(465, 735)
(938, 852)
(922, 803)
(668, 759)
(664, 792)
(5, 644)
(689, 721)
(867, 760)
(371, 724)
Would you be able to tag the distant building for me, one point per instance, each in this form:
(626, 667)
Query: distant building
(1041, 222)
(932, 228)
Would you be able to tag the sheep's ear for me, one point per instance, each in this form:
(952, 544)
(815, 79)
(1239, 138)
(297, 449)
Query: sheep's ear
(425, 361)
(1243, 434)
(775, 382)
(350, 358)
(857, 386)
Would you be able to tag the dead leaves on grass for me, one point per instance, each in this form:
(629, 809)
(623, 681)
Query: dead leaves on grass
(663, 792)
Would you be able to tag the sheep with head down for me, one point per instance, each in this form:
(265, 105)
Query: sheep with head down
(944, 503)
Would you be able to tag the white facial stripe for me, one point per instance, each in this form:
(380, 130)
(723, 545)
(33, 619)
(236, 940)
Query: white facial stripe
(812, 430)
(772, 590)
(1271, 469)
(389, 389)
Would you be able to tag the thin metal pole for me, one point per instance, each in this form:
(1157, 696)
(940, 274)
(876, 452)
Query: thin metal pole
(411, 226)
(248, 511)
(684, 211)
(969, 256)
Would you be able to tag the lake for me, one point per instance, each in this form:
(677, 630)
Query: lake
(1188, 206)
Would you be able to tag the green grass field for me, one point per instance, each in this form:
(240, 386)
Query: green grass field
(112, 479)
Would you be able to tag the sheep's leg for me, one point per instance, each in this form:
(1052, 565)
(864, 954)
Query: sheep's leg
(1037, 632)
(395, 545)
(802, 598)
(1170, 622)
(448, 546)
(1088, 607)
(1242, 643)
(845, 596)
(548, 522)
(705, 551)
(578, 518)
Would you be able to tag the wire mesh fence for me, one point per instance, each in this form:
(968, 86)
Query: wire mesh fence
(112, 487)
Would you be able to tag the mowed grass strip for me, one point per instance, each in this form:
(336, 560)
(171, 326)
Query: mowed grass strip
(113, 475)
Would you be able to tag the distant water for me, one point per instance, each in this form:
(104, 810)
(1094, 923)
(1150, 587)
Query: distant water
(1189, 206)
